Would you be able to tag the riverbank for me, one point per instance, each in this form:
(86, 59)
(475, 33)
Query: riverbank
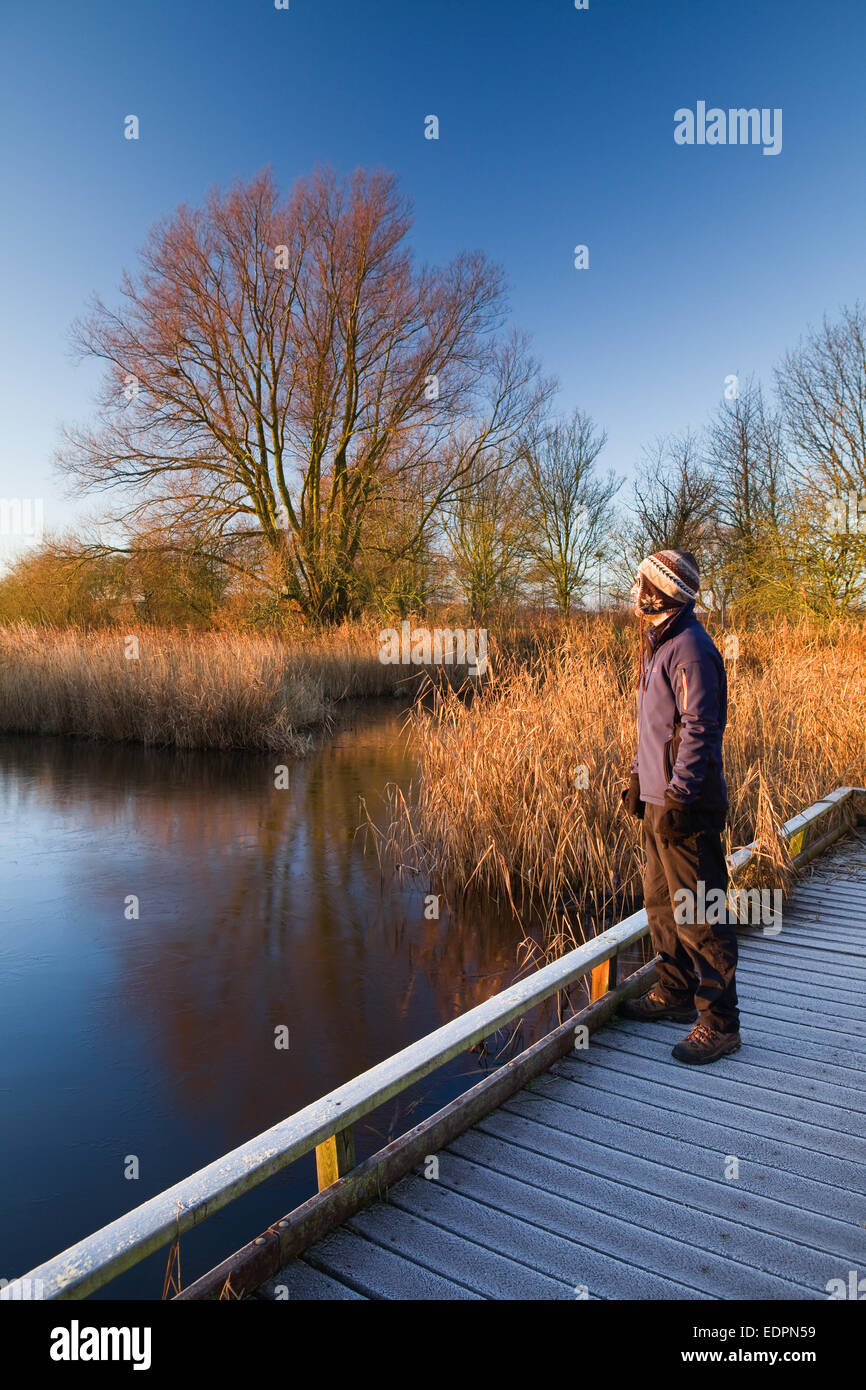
(219, 689)
(165, 688)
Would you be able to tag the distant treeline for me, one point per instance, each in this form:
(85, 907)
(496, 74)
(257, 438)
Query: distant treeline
(299, 423)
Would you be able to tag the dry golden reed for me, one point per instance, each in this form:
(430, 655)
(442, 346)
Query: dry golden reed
(187, 689)
(520, 787)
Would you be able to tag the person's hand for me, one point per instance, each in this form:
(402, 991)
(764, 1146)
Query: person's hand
(676, 822)
(630, 797)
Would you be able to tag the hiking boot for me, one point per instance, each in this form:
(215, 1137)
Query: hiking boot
(654, 1006)
(704, 1044)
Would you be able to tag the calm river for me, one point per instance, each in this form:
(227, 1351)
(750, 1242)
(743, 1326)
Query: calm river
(147, 1033)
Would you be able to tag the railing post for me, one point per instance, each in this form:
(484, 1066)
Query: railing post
(335, 1157)
(603, 978)
(797, 842)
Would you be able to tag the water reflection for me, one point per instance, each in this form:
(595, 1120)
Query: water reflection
(153, 1034)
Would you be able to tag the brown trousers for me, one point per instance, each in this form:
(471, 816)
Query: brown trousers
(698, 958)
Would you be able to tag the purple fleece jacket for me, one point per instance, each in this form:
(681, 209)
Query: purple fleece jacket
(682, 712)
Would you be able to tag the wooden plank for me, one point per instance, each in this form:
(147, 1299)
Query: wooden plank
(822, 951)
(522, 1214)
(736, 1082)
(839, 1019)
(810, 1062)
(800, 958)
(826, 910)
(484, 1261)
(823, 885)
(609, 1135)
(624, 1121)
(787, 985)
(783, 1204)
(302, 1281)
(384, 1274)
(822, 969)
(503, 1220)
(757, 1116)
(802, 933)
(833, 914)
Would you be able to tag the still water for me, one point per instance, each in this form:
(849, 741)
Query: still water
(151, 1036)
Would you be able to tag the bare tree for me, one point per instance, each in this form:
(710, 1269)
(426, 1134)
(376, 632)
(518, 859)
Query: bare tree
(568, 504)
(275, 362)
(746, 459)
(822, 385)
(673, 505)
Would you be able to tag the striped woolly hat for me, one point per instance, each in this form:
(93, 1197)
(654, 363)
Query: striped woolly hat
(669, 579)
(673, 574)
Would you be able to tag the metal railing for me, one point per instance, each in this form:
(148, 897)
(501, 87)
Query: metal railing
(326, 1125)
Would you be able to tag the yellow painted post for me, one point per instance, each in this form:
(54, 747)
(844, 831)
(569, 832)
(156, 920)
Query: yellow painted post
(335, 1157)
(603, 978)
(797, 842)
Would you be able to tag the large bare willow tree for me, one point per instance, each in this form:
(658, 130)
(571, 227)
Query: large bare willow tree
(279, 366)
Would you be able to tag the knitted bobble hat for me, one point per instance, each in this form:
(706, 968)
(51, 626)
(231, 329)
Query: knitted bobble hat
(668, 580)
(674, 573)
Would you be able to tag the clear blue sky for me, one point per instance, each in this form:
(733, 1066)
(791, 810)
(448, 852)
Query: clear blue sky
(556, 128)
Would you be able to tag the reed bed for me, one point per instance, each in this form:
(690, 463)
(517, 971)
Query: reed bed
(519, 793)
(186, 689)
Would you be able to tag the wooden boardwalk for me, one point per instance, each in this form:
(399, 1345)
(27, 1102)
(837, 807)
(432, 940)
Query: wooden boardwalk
(620, 1173)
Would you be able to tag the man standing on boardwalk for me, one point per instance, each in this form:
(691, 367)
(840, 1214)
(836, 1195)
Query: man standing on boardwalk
(677, 788)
